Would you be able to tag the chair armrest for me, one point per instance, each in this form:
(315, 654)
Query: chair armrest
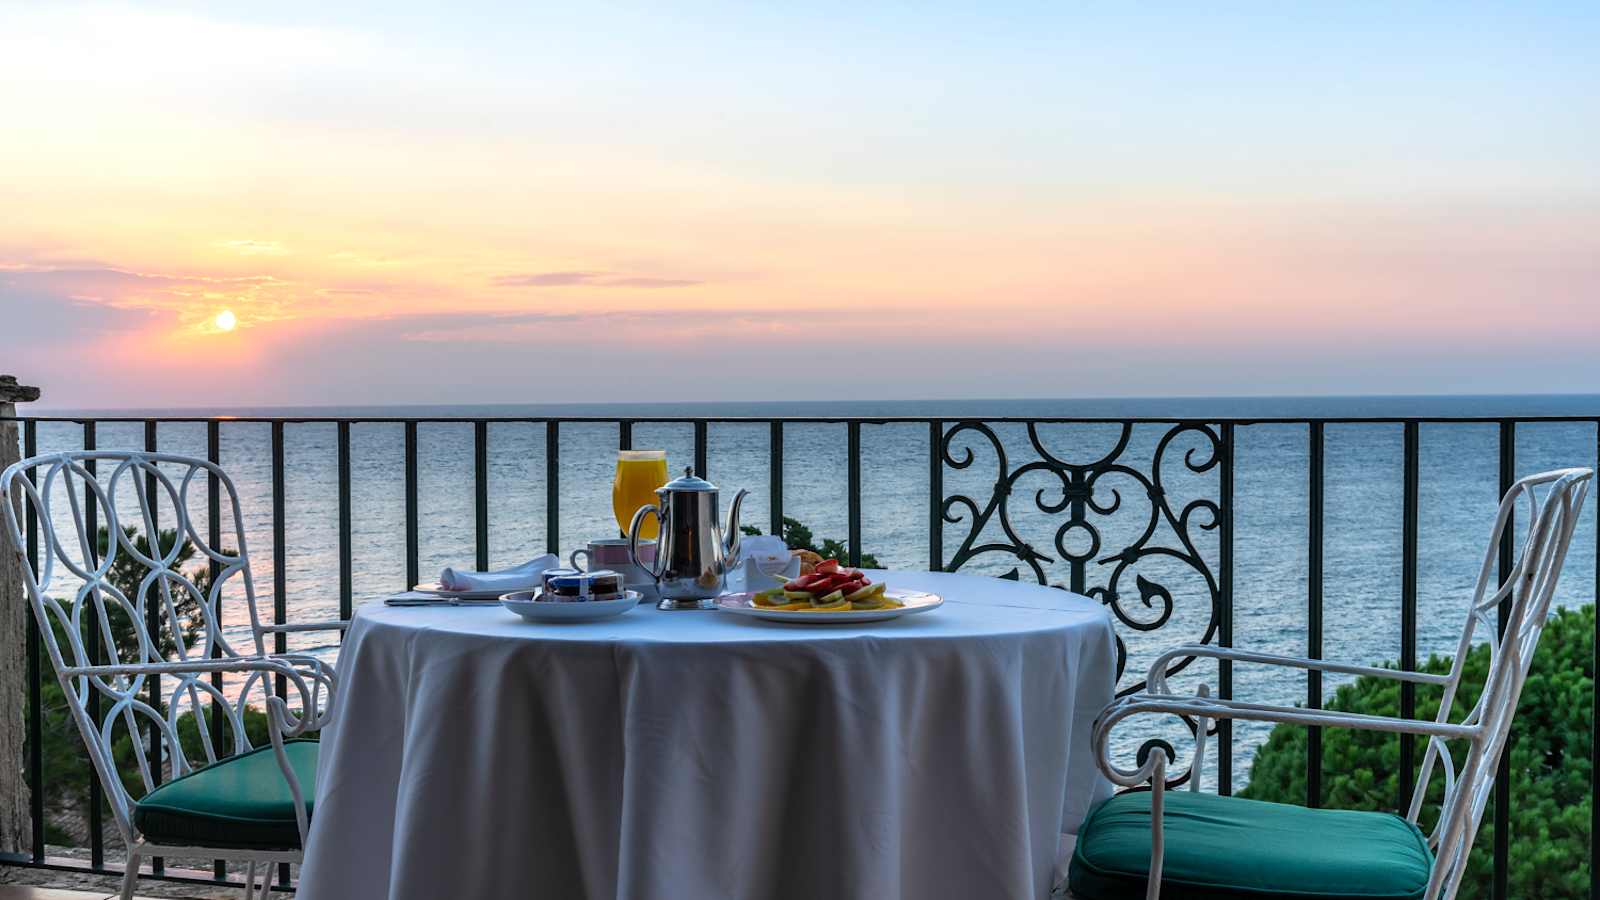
(1156, 678)
(338, 625)
(1209, 708)
(283, 663)
(311, 679)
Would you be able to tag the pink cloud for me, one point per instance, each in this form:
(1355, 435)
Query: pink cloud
(591, 279)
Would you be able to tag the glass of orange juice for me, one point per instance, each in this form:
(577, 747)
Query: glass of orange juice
(639, 473)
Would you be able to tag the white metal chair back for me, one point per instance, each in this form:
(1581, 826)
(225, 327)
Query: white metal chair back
(1525, 592)
(1527, 589)
(39, 485)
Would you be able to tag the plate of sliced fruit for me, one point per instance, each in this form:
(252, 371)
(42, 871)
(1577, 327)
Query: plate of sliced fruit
(831, 594)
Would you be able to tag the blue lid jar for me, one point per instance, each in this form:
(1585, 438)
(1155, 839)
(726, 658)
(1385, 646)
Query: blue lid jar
(571, 584)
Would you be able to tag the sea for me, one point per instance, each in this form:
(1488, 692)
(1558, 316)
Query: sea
(1363, 521)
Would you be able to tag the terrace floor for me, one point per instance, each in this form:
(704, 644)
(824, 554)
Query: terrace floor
(28, 892)
(18, 892)
(44, 884)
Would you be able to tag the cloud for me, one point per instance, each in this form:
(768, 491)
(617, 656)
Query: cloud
(39, 311)
(547, 279)
(121, 287)
(56, 332)
(96, 284)
(651, 282)
(591, 279)
(98, 300)
(581, 327)
(248, 247)
(498, 357)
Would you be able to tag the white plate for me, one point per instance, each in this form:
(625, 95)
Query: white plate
(523, 604)
(434, 588)
(915, 602)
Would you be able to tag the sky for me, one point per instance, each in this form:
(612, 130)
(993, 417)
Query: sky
(475, 203)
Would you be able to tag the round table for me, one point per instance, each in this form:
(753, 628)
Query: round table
(705, 755)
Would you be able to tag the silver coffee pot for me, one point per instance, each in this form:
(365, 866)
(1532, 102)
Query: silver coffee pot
(694, 551)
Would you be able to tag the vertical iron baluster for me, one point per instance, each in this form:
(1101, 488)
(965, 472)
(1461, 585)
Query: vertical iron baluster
(775, 476)
(624, 442)
(346, 558)
(1314, 616)
(1502, 778)
(280, 591)
(552, 486)
(412, 566)
(1225, 626)
(219, 868)
(700, 449)
(853, 439)
(1078, 508)
(936, 496)
(30, 449)
(480, 483)
(1408, 612)
(152, 618)
(97, 838)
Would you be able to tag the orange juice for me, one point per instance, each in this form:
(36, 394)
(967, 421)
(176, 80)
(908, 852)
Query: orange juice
(639, 473)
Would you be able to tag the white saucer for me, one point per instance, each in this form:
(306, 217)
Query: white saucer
(523, 604)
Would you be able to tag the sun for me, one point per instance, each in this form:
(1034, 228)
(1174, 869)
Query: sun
(225, 320)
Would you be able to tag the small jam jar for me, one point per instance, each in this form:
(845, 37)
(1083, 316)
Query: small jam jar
(571, 585)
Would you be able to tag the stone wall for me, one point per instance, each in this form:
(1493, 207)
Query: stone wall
(14, 614)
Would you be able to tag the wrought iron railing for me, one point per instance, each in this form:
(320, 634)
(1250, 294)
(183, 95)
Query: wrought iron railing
(954, 446)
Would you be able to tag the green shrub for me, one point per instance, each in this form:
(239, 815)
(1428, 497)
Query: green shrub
(1549, 761)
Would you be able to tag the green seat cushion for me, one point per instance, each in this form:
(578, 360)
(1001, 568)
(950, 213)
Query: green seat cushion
(1221, 848)
(242, 802)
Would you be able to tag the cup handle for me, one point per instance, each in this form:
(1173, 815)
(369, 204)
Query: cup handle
(633, 541)
(573, 559)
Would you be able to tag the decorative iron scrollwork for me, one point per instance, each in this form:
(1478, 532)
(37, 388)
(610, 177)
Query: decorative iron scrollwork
(1094, 494)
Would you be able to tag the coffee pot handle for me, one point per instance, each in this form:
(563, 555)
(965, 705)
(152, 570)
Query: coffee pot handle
(633, 541)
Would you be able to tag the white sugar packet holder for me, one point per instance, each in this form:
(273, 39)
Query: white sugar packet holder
(763, 559)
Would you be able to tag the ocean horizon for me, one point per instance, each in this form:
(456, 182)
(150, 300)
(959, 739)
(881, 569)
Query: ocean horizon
(1177, 406)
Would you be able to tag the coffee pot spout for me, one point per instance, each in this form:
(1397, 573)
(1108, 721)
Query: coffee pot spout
(730, 537)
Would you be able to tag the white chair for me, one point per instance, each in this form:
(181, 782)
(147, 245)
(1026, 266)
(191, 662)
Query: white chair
(1233, 847)
(231, 800)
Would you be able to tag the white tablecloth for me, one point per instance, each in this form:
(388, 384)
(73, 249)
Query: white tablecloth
(701, 755)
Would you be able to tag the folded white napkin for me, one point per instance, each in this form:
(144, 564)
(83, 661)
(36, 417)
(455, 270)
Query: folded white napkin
(517, 578)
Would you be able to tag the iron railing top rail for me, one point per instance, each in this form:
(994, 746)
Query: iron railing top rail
(839, 420)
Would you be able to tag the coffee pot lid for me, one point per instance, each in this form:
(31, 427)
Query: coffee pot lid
(688, 483)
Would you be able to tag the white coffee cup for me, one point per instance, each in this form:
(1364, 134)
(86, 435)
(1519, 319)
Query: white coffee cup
(612, 553)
